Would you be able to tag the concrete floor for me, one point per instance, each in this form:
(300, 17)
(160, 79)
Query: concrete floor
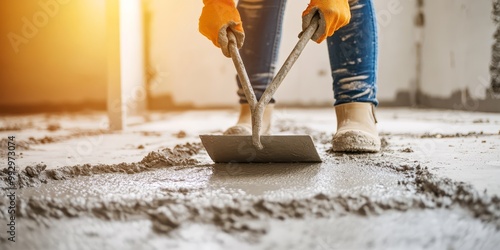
(435, 185)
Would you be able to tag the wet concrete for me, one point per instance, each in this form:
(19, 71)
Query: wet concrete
(176, 198)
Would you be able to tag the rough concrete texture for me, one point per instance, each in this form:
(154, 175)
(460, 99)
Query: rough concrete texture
(495, 55)
(434, 185)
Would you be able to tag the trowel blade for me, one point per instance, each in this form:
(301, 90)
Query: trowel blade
(277, 148)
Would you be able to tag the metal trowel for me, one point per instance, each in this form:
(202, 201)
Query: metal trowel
(265, 148)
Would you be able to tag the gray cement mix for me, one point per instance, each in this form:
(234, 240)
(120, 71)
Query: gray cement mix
(176, 198)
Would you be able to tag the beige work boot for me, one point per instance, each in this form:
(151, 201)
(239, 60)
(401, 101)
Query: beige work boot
(244, 124)
(356, 130)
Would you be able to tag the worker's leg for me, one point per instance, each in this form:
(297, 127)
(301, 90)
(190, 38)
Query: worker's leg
(353, 58)
(262, 22)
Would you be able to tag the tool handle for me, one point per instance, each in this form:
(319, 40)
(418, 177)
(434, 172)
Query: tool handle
(289, 62)
(257, 108)
(278, 79)
(247, 89)
(242, 72)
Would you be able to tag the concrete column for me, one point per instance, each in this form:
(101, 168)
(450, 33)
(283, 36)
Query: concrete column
(132, 56)
(116, 109)
(126, 73)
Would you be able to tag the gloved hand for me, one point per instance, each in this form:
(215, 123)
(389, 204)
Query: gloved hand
(334, 14)
(217, 17)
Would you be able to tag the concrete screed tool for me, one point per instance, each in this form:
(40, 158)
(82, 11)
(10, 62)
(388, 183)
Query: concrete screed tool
(262, 148)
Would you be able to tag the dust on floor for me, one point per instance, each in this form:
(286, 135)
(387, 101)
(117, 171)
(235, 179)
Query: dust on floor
(434, 185)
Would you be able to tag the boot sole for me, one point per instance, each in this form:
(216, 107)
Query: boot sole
(355, 142)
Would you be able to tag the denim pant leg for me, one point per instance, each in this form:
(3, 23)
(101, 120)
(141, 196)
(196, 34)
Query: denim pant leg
(262, 21)
(353, 56)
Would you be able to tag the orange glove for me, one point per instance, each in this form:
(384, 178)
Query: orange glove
(334, 14)
(217, 17)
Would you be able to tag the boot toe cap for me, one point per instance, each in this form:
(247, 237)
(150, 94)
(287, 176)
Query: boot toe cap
(239, 130)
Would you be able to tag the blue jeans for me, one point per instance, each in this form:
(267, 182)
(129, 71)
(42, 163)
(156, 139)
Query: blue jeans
(352, 49)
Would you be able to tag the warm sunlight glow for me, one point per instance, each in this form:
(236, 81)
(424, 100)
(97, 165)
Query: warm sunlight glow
(60, 43)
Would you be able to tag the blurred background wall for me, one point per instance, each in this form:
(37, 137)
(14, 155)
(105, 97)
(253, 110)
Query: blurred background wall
(52, 55)
(456, 55)
(198, 74)
(432, 54)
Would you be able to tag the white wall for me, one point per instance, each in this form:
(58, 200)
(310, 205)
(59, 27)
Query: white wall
(456, 53)
(457, 40)
(397, 49)
(457, 47)
(196, 72)
(188, 65)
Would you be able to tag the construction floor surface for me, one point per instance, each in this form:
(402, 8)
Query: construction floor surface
(435, 185)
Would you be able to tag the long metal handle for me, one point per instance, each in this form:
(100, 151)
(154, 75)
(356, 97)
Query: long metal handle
(247, 89)
(242, 72)
(289, 62)
(257, 108)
